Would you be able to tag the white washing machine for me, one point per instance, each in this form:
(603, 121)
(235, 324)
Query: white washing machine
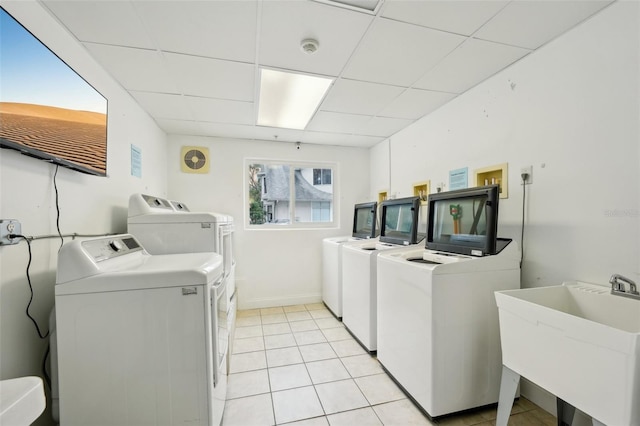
(332, 273)
(400, 222)
(438, 331)
(140, 339)
(359, 288)
(364, 227)
(167, 227)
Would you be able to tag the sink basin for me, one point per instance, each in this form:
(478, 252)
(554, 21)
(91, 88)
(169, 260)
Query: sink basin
(579, 342)
(22, 400)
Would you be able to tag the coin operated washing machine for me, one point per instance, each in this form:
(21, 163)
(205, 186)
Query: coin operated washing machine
(138, 338)
(400, 220)
(364, 228)
(166, 227)
(438, 331)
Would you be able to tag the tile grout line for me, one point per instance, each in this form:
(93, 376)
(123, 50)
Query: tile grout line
(315, 390)
(524, 409)
(358, 386)
(338, 357)
(264, 345)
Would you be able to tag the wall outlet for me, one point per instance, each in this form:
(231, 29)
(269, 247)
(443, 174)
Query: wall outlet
(529, 171)
(8, 227)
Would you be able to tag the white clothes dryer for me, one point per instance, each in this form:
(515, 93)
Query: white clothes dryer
(167, 227)
(140, 339)
(438, 331)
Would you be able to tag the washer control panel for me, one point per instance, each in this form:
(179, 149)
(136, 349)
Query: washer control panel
(110, 247)
(179, 207)
(157, 203)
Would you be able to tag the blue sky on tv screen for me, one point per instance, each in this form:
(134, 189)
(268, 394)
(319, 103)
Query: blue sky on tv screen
(31, 73)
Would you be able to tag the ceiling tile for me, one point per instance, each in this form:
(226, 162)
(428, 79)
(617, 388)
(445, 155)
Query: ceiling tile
(415, 103)
(336, 122)
(192, 64)
(180, 127)
(216, 29)
(382, 126)
(221, 110)
(233, 131)
(468, 65)
(212, 78)
(399, 54)
(278, 135)
(357, 97)
(93, 21)
(135, 69)
(460, 17)
(324, 138)
(362, 141)
(286, 23)
(160, 105)
(530, 24)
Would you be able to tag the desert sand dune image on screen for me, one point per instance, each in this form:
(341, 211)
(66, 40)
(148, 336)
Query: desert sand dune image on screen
(75, 136)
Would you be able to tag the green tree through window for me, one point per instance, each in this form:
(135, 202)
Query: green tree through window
(256, 209)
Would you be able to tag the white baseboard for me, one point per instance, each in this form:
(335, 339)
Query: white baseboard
(538, 396)
(547, 401)
(269, 302)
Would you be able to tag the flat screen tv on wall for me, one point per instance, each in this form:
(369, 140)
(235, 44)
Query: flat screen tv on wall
(47, 110)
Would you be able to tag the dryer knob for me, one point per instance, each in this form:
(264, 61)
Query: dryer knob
(116, 245)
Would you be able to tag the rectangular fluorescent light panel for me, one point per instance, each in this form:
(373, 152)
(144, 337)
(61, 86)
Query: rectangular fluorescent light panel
(369, 5)
(289, 100)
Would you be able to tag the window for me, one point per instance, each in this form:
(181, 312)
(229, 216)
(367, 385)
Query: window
(322, 176)
(290, 194)
(321, 211)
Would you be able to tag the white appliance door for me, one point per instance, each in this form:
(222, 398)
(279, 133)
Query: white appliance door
(221, 341)
(231, 324)
(225, 243)
(133, 357)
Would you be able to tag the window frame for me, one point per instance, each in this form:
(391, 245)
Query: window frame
(293, 166)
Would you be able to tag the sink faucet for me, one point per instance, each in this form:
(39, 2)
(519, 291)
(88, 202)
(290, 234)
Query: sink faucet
(617, 282)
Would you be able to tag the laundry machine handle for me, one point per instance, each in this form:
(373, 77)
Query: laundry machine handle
(216, 285)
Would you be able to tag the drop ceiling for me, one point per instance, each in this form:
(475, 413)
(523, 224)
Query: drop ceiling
(194, 66)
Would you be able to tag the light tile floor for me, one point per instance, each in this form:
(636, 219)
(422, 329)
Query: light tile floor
(298, 365)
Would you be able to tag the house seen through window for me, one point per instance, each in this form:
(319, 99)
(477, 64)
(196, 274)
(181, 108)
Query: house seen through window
(289, 194)
(322, 176)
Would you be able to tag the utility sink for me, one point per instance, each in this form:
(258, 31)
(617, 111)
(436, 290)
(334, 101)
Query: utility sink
(22, 400)
(577, 341)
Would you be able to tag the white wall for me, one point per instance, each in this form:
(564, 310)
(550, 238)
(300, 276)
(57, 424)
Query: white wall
(88, 204)
(274, 267)
(572, 106)
(571, 110)
(379, 170)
